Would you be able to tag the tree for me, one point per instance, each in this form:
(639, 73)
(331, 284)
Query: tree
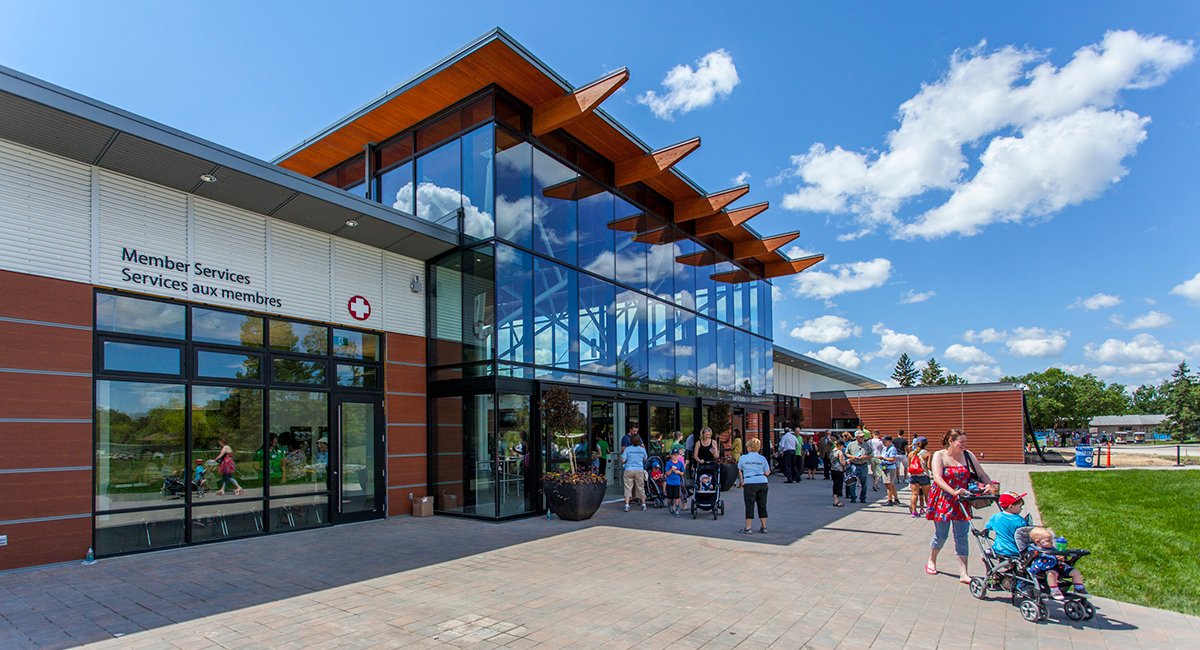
(1149, 399)
(563, 419)
(905, 374)
(1183, 403)
(1058, 399)
(932, 374)
(954, 380)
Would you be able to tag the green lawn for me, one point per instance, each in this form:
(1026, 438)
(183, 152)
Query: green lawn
(1142, 527)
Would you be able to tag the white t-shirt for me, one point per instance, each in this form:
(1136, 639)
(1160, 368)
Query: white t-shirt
(876, 446)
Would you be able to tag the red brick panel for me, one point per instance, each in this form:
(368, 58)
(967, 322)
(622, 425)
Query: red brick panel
(933, 415)
(45, 542)
(405, 348)
(45, 444)
(407, 432)
(822, 413)
(45, 347)
(888, 414)
(806, 411)
(32, 297)
(995, 426)
(30, 495)
(24, 395)
(408, 409)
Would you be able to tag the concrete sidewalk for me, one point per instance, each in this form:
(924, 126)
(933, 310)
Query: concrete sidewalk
(823, 577)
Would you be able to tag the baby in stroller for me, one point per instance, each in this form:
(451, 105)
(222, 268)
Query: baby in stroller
(708, 491)
(1053, 566)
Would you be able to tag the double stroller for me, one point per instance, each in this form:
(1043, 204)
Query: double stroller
(706, 490)
(1026, 590)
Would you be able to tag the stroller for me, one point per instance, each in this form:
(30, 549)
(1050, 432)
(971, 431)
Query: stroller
(174, 488)
(1011, 573)
(706, 495)
(655, 492)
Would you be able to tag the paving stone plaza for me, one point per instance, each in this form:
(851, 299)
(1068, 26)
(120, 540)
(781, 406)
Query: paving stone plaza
(823, 577)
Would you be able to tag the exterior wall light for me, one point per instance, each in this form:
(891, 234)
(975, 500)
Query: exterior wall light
(351, 223)
(416, 284)
(208, 178)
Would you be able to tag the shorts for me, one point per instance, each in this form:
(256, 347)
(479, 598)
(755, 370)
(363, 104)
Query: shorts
(635, 484)
(672, 491)
(918, 479)
(889, 475)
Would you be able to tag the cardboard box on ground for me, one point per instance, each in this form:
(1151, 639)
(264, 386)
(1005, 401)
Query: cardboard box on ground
(422, 507)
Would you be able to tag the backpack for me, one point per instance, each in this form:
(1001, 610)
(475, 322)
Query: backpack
(914, 463)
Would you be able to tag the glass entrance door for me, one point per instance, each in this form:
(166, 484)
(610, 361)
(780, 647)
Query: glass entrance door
(355, 455)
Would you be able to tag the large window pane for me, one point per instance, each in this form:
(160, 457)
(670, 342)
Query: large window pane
(479, 325)
(516, 455)
(706, 290)
(228, 417)
(142, 317)
(396, 188)
(439, 183)
(465, 470)
(301, 420)
(554, 215)
(297, 371)
(660, 271)
(660, 338)
(769, 365)
(768, 303)
(723, 296)
(706, 353)
(685, 276)
(292, 513)
(555, 311)
(220, 365)
(726, 358)
(226, 521)
(631, 338)
(630, 255)
(138, 531)
(597, 326)
(514, 189)
(139, 445)
(741, 348)
(514, 300)
(356, 376)
(446, 319)
(595, 237)
(299, 337)
(478, 193)
(685, 347)
(754, 296)
(131, 357)
(211, 326)
(355, 345)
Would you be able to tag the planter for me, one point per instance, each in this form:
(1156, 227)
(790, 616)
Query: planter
(573, 501)
(729, 474)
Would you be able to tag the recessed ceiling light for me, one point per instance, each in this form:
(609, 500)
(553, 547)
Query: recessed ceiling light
(208, 178)
(352, 223)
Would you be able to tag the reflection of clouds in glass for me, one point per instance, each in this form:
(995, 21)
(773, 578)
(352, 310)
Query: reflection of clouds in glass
(435, 202)
(137, 399)
(631, 265)
(726, 375)
(708, 374)
(686, 300)
(135, 316)
(513, 216)
(602, 265)
(661, 262)
(684, 350)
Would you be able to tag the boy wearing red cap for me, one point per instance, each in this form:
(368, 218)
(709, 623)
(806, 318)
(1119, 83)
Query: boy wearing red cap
(1006, 522)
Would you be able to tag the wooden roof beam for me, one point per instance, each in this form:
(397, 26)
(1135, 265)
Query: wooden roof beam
(708, 205)
(790, 267)
(723, 221)
(654, 163)
(743, 250)
(561, 111)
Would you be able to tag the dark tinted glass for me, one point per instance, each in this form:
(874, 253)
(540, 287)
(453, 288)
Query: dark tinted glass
(395, 151)
(299, 337)
(438, 130)
(514, 189)
(143, 317)
(476, 112)
(561, 145)
(396, 188)
(139, 444)
(209, 326)
(220, 365)
(514, 300)
(439, 183)
(295, 371)
(477, 152)
(130, 357)
(357, 376)
(355, 345)
(509, 113)
(300, 420)
(478, 308)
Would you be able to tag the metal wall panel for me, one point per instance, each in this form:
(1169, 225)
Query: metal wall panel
(227, 239)
(300, 270)
(357, 271)
(148, 218)
(45, 214)
(405, 310)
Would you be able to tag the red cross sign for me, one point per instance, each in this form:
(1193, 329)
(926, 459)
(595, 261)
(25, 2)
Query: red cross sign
(359, 308)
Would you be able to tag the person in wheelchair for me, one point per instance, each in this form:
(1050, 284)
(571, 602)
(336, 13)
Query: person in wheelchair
(1052, 566)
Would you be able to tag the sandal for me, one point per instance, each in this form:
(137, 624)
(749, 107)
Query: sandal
(763, 530)
(745, 531)
(931, 570)
(839, 505)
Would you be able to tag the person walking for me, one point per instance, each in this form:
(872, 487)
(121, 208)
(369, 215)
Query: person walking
(954, 470)
(633, 460)
(753, 471)
(887, 460)
(902, 450)
(707, 450)
(837, 465)
(918, 477)
(876, 444)
(227, 468)
(858, 452)
(826, 453)
(787, 445)
(810, 457)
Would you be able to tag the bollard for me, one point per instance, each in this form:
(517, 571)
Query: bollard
(1177, 458)
(1110, 454)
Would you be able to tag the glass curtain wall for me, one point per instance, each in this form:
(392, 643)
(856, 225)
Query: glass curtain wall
(214, 424)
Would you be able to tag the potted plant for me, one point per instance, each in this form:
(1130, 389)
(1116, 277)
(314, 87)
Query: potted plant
(720, 418)
(575, 494)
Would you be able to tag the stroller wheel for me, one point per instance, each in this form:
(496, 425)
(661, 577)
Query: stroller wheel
(978, 588)
(1075, 610)
(1089, 612)
(714, 512)
(1031, 610)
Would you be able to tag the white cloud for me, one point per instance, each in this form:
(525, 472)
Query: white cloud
(911, 296)
(1189, 290)
(1142, 349)
(1050, 137)
(1135, 372)
(826, 329)
(845, 278)
(777, 294)
(1037, 342)
(1148, 321)
(795, 252)
(892, 344)
(847, 359)
(989, 335)
(1098, 301)
(1150, 301)
(688, 89)
(741, 178)
(981, 374)
(967, 354)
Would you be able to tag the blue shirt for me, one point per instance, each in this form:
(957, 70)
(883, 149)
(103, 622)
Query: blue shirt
(888, 456)
(754, 467)
(634, 458)
(675, 479)
(1005, 524)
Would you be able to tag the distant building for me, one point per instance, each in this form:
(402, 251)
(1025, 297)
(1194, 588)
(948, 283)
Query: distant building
(798, 375)
(1110, 424)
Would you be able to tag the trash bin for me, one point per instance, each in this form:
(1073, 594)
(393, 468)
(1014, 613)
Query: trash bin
(1083, 456)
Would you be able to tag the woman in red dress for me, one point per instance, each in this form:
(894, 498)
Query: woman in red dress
(951, 472)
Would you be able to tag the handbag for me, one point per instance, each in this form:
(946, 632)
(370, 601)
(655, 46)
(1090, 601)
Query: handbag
(226, 466)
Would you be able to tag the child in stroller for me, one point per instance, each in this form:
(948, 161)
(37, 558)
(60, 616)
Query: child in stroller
(654, 483)
(707, 496)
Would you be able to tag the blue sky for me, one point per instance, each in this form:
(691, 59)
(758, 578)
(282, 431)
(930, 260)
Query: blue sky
(1043, 203)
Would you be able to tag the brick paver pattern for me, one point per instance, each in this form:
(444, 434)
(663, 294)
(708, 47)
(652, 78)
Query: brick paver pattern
(823, 577)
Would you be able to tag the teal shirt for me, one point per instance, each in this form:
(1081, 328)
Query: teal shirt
(1005, 524)
(754, 467)
(634, 458)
